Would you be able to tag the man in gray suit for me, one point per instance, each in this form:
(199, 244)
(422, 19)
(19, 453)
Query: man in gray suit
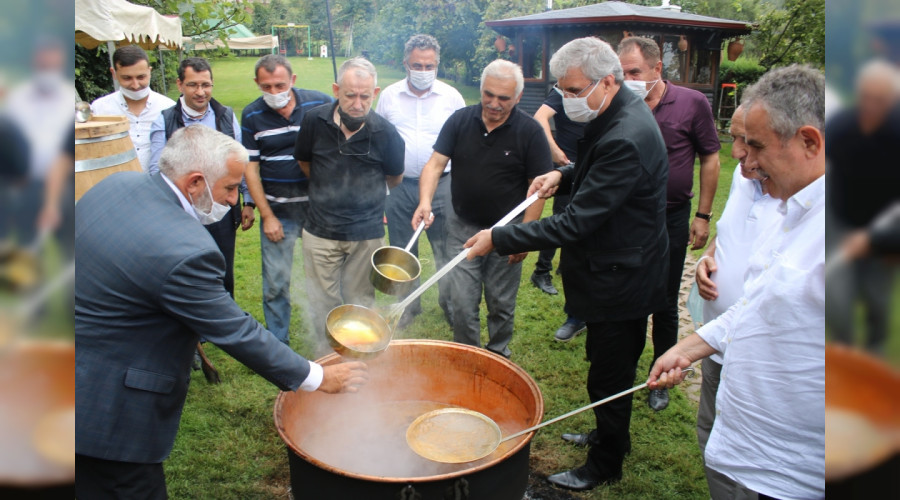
(146, 289)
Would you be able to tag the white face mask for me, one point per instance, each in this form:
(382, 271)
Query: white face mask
(421, 80)
(578, 110)
(135, 95)
(193, 113)
(277, 101)
(639, 87)
(216, 210)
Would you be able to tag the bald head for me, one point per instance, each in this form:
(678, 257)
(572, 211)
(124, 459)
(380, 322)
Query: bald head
(877, 91)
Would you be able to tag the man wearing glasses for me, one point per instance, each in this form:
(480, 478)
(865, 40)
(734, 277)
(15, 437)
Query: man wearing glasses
(197, 106)
(614, 246)
(418, 106)
(348, 153)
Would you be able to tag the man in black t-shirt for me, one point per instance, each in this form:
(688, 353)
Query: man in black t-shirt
(348, 154)
(496, 151)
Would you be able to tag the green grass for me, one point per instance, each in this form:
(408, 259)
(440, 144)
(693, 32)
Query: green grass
(228, 448)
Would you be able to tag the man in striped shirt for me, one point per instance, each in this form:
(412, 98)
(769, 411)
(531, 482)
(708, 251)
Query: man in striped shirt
(278, 186)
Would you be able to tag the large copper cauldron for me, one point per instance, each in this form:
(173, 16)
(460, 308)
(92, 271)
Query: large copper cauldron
(353, 446)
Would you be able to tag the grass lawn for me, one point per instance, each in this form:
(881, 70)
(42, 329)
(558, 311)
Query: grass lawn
(228, 448)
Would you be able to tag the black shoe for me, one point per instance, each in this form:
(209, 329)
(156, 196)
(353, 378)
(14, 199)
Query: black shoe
(659, 399)
(569, 330)
(577, 439)
(544, 283)
(580, 479)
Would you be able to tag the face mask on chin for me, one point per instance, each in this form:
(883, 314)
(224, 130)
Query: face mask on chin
(279, 100)
(193, 113)
(135, 95)
(421, 80)
(216, 210)
(353, 123)
(578, 110)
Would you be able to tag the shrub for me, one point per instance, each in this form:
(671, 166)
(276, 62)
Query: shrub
(743, 72)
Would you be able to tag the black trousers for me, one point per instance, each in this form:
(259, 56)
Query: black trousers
(613, 349)
(223, 232)
(665, 321)
(98, 479)
(545, 257)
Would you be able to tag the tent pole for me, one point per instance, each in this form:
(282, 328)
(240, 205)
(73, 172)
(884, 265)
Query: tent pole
(111, 47)
(331, 39)
(162, 66)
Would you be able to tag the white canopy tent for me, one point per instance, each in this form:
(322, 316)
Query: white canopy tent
(264, 42)
(98, 21)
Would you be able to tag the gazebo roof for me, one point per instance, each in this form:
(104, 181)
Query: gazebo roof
(620, 12)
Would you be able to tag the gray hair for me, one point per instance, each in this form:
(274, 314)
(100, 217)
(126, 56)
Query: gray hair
(271, 62)
(421, 42)
(594, 57)
(361, 67)
(793, 96)
(199, 147)
(504, 70)
(647, 46)
(879, 69)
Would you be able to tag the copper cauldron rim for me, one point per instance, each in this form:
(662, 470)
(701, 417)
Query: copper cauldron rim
(522, 441)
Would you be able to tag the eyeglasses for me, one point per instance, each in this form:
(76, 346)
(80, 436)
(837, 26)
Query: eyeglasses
(195, 85)
(343, 145)
(422, 67)
(569, 95)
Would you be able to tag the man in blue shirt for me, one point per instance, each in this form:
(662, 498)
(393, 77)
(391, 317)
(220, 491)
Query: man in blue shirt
(279, 188)
(197, 106)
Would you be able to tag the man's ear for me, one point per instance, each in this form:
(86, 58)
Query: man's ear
(813, 142)
(195, 183)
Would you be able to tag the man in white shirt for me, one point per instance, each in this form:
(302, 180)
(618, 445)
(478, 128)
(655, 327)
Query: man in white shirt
(769, 434)
(418, 106)
(134, 99)
(748, 214)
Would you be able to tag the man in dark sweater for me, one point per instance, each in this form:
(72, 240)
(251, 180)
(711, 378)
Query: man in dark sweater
(860, 144)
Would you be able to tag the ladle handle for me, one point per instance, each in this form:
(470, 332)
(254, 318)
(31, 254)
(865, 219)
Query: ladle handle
(415, 236)
(459, 258)
(584, 408)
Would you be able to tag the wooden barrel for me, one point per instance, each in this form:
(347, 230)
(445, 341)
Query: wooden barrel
(102, 147)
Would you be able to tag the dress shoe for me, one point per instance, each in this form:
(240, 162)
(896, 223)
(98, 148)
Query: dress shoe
(544, 283)
(569, 330)
(659, 399)
(580, 479)
(577, 439)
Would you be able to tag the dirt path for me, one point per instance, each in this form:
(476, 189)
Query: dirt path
(691, 387)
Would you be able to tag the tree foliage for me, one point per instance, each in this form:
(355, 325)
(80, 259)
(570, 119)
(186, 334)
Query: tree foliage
(794, 34)
(208, 19)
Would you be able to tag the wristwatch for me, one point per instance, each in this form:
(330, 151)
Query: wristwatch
(249, 204)
(707, 217)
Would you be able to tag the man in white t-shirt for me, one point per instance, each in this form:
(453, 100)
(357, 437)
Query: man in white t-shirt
(134, 99)
(769, 434)
(748, 214)
(418, 106)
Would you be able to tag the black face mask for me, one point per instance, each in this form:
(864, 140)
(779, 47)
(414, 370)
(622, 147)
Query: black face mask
(353, 123)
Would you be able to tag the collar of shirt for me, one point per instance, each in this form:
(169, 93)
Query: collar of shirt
(185, 204)
(508, 123)
(208, 118)
(803, 201)
(667, 97)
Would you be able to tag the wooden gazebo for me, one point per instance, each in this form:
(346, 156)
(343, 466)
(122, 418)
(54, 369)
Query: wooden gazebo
(690, 44)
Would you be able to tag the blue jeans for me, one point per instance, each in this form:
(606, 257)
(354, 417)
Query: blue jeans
(277, 260)
(399, 208)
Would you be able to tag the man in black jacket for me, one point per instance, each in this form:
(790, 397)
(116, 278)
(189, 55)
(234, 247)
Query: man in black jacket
(613, 236)
(197, 106)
